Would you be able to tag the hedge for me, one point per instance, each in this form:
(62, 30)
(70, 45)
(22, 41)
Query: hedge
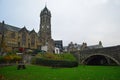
(11, 58)
(56, 63)
(2, 59)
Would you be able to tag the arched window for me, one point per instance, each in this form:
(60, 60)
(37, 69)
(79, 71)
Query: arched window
(32, 40)
(23, 39)
(13, 35)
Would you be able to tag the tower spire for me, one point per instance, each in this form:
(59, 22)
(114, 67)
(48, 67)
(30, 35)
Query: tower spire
(46, 4)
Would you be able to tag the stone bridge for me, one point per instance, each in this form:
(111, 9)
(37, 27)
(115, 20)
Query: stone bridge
(101, 56)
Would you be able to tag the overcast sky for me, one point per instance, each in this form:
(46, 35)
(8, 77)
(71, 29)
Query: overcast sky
(78, 21)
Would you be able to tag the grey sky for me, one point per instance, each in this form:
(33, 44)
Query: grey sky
(72, 20)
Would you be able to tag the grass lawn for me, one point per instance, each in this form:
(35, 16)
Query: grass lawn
(34, 72)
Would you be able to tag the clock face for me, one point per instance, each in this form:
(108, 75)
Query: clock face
(47, 26)
(42, 26)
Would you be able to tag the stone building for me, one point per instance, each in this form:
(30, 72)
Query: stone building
(76, 47)
(12, 37)
(45, 30)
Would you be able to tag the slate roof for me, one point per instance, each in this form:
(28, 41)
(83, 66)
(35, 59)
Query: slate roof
(32, 31)
(24, 28)
(95, 46)
(13, 28)
(9, 27)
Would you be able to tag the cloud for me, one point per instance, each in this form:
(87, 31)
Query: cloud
(72, 20)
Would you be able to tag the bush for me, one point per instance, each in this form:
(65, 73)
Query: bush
(8, 58)
(68, 57)
(11, 58)
(33, 60)
(17, 58)
(1, 59)
(55, 60)
(56, 63)
(51, 56)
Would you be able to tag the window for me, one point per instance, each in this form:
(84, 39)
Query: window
(47, 26)
(24, 39)
(32, 40)
(42, 26)
(13, 35)
(18, 44)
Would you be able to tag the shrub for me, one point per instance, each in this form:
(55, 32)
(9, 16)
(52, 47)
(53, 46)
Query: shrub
(17, 58)
(56, 63)
(57, 60)
(48, 56)
(1, 59)
(8, 58)
(51, 56)
(68, 57)
(33, 60)
(11, 58)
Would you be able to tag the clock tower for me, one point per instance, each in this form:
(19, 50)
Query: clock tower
(45, 29)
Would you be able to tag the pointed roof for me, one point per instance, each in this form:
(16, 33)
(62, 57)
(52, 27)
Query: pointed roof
(32, 31)
(13, 28)
(45, 11)
(22, 29)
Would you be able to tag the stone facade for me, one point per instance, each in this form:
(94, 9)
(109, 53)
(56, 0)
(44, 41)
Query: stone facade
(76, 47)
(19, 38)
(45, 30)
(103, 56)
(15, 37)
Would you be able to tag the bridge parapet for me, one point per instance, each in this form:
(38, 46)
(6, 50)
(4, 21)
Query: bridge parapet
(111, 52)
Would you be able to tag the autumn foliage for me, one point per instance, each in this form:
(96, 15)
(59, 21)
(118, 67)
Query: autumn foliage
(11, 58)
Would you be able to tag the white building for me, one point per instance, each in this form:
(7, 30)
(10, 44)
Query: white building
(57, 50)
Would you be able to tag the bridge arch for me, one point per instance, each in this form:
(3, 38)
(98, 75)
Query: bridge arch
(103, 57)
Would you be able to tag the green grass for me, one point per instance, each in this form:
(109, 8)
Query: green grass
(34, 72)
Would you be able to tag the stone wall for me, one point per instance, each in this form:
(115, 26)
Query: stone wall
(111, 52)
